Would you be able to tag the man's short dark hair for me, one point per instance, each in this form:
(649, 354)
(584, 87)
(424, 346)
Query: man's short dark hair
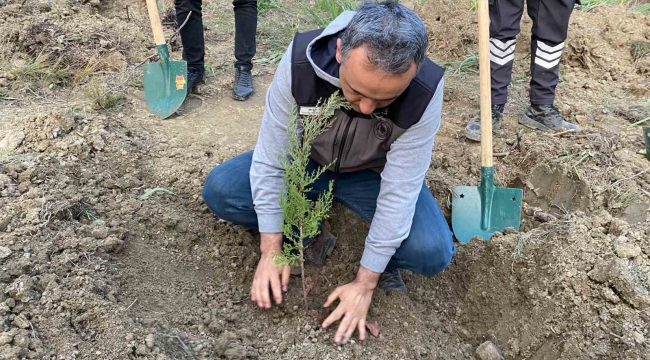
(394, 36)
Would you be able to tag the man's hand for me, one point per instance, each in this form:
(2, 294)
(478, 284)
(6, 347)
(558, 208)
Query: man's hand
(354, 302)
(268, 273)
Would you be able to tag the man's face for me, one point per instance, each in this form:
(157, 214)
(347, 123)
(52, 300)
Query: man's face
(368, 89)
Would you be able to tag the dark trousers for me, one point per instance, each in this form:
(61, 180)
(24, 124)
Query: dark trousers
(550, 27)
(194, 42)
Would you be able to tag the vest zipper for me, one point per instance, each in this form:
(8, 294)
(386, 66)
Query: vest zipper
(339, 159)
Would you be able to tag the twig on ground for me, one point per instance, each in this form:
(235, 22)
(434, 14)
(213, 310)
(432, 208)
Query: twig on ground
(502, 154)
(171, 38)
(183, 345)
(563, 132)
(624, 179)
(33, 331)
(133, 303)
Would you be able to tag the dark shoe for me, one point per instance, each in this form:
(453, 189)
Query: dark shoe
(391, 280)
(320, 248)
(243, 85)
(193, 78)
(545, 118)
(473, 129)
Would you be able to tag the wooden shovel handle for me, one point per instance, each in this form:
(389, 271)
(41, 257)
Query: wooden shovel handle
(484, 69)
(156, 25)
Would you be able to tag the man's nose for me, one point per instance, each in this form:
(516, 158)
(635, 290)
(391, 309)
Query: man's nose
(367, 106)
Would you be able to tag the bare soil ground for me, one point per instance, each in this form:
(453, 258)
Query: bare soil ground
(89, 270)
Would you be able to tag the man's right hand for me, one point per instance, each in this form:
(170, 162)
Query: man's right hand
(268, 274)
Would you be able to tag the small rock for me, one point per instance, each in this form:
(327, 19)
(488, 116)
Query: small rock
(21, 339)
(628, 251)
(6, 338)
(100, 231)
(130, 337)
(610, 295)
(12, 141)
(141, 350)
(150, 341)
(235, 353)
(581, 119)
(113, 245)
(638, 337)
(10, 302)
(21, 322)
(488, 351)
(4, 252)
(4, 82)
(245, 333)
(22, 289)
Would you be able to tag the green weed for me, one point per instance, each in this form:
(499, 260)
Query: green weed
(263, 6)
(636, 5)
(100, 98)
(469, 65)
(324, 12)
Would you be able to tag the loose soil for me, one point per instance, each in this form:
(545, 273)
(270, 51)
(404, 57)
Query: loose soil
(89, 270)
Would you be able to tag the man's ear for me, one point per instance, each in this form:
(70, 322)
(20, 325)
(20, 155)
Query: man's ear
(338, 50)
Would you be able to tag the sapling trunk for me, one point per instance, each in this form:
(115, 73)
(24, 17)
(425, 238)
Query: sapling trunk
(302, 217)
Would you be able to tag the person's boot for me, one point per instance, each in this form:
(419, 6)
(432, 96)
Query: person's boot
(320, 248)
(473, 128)
(391, 280)
(194, 77)
(545, 118)
(242, 88)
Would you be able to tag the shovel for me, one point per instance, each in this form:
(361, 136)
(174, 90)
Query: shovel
(165, 81)
(482, 210)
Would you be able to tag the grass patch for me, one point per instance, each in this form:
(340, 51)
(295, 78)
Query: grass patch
(640, 49)
(636, 5)
(100, 98)
(324, 12)
(41, 69)
(469, 65)
(264, 6)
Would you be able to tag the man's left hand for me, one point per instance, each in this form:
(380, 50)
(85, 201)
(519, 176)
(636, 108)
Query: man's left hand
(353, 307)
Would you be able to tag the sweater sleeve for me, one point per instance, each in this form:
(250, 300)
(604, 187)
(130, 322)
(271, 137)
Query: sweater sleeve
(266, 174)
(407, 162)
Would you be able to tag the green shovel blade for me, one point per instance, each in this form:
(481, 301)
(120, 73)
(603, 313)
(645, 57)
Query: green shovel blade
(482, 210)
(165, 84)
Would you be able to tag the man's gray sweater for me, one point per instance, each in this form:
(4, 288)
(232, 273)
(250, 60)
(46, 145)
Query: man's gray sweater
(407, 162)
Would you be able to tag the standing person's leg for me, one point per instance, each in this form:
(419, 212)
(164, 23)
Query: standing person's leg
(192, 39)
(429, 247)
(505, 17)
(245, 47)
(550, 29)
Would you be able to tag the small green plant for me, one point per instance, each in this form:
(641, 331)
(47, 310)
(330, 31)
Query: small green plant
(640, 49)
(101, 99)
(469, 65)
(636, 5)
(302, 217)
(264, 6)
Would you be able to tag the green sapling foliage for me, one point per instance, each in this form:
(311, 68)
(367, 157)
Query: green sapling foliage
(302, 217)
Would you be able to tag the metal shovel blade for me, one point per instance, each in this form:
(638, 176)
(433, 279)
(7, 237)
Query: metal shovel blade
(165, 84)
(482, 210)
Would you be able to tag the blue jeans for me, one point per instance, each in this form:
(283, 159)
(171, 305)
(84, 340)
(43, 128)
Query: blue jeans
(427, 250)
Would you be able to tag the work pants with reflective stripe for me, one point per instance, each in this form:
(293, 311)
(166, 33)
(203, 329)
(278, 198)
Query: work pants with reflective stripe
(549, 32)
